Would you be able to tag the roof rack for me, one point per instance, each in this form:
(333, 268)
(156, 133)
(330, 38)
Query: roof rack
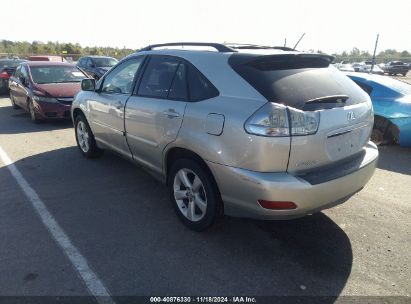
(245, 46)
(218, 46)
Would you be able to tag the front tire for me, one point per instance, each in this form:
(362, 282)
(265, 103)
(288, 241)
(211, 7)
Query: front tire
(194, 194)
(13, 102)
(85, 138)
(32, 112)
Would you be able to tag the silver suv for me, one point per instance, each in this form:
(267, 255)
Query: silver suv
(256, 132)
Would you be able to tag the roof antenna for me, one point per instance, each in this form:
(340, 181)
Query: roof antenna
(285, 42)
(298, 41)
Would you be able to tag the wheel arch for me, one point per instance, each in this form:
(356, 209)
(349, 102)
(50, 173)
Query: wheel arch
(176, 153)
(77, 112)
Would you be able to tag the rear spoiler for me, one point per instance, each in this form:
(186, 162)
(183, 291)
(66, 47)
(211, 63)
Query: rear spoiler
(281, 61)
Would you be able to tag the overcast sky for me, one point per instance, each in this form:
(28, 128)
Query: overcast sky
(330, 25)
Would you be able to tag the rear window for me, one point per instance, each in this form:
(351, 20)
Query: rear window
(158, 76)
(306, 83)
(105, 62)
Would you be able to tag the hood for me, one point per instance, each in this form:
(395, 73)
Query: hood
(59, 89)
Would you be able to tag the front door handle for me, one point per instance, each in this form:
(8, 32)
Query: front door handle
(171, 113)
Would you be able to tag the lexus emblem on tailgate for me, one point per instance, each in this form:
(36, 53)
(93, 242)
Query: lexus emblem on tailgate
(351, 116)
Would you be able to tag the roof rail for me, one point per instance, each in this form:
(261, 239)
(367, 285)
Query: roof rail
(244, 46)
(218, 46)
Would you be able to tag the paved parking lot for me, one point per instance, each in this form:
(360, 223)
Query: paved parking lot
(120, 220)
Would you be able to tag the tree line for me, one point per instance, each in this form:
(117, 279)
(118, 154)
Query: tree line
(25, 49)
(356, 55)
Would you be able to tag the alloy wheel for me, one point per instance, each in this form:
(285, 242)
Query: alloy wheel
(190, 195)
(83, 136)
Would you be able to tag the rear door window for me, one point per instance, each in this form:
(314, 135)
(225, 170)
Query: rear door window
(158, 77)
(178, 89)
(24, 74)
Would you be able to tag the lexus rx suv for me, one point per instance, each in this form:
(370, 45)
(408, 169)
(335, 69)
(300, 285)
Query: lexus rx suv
(256, 132)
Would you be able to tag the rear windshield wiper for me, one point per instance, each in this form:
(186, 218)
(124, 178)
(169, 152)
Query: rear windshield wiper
(329, 99)
(325, 102)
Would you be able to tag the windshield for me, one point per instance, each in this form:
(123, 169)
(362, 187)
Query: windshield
(56, 74)
(396, 85)
(105, 62)
(10, 63)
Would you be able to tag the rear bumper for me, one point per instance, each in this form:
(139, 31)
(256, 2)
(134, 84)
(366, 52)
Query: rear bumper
(404, 128)
(241, 189)
(46, 110)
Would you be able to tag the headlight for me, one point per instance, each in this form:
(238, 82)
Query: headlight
(278, 120)
(45, 99)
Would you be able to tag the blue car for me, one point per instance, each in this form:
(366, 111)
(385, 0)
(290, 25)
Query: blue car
(391, 100)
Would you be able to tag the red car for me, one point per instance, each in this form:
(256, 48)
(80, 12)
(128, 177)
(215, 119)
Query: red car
(45, 89)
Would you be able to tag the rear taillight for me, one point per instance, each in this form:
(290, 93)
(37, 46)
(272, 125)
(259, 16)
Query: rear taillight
(277, 205)
(4, 75)
(277, 120)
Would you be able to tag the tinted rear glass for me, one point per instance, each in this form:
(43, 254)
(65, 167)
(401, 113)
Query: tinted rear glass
(199, 86)
(178, 89)
(105, 62)
(294, 82)
(158, 76)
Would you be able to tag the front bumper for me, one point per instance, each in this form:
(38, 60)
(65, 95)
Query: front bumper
(241, 189)
(47, 110)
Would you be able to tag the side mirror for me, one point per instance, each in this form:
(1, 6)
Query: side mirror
(88, 84)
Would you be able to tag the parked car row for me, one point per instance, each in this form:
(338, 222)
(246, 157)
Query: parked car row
(262, 133)
(391, 68)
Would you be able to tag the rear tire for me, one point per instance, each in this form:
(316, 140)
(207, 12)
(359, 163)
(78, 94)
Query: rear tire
(193, 194)
(382, 133)
(85, 138)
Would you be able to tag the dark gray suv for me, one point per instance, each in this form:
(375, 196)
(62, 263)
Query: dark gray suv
(96, 66)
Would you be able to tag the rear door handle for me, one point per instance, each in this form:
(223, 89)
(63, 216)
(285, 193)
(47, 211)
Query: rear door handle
(171, 113)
